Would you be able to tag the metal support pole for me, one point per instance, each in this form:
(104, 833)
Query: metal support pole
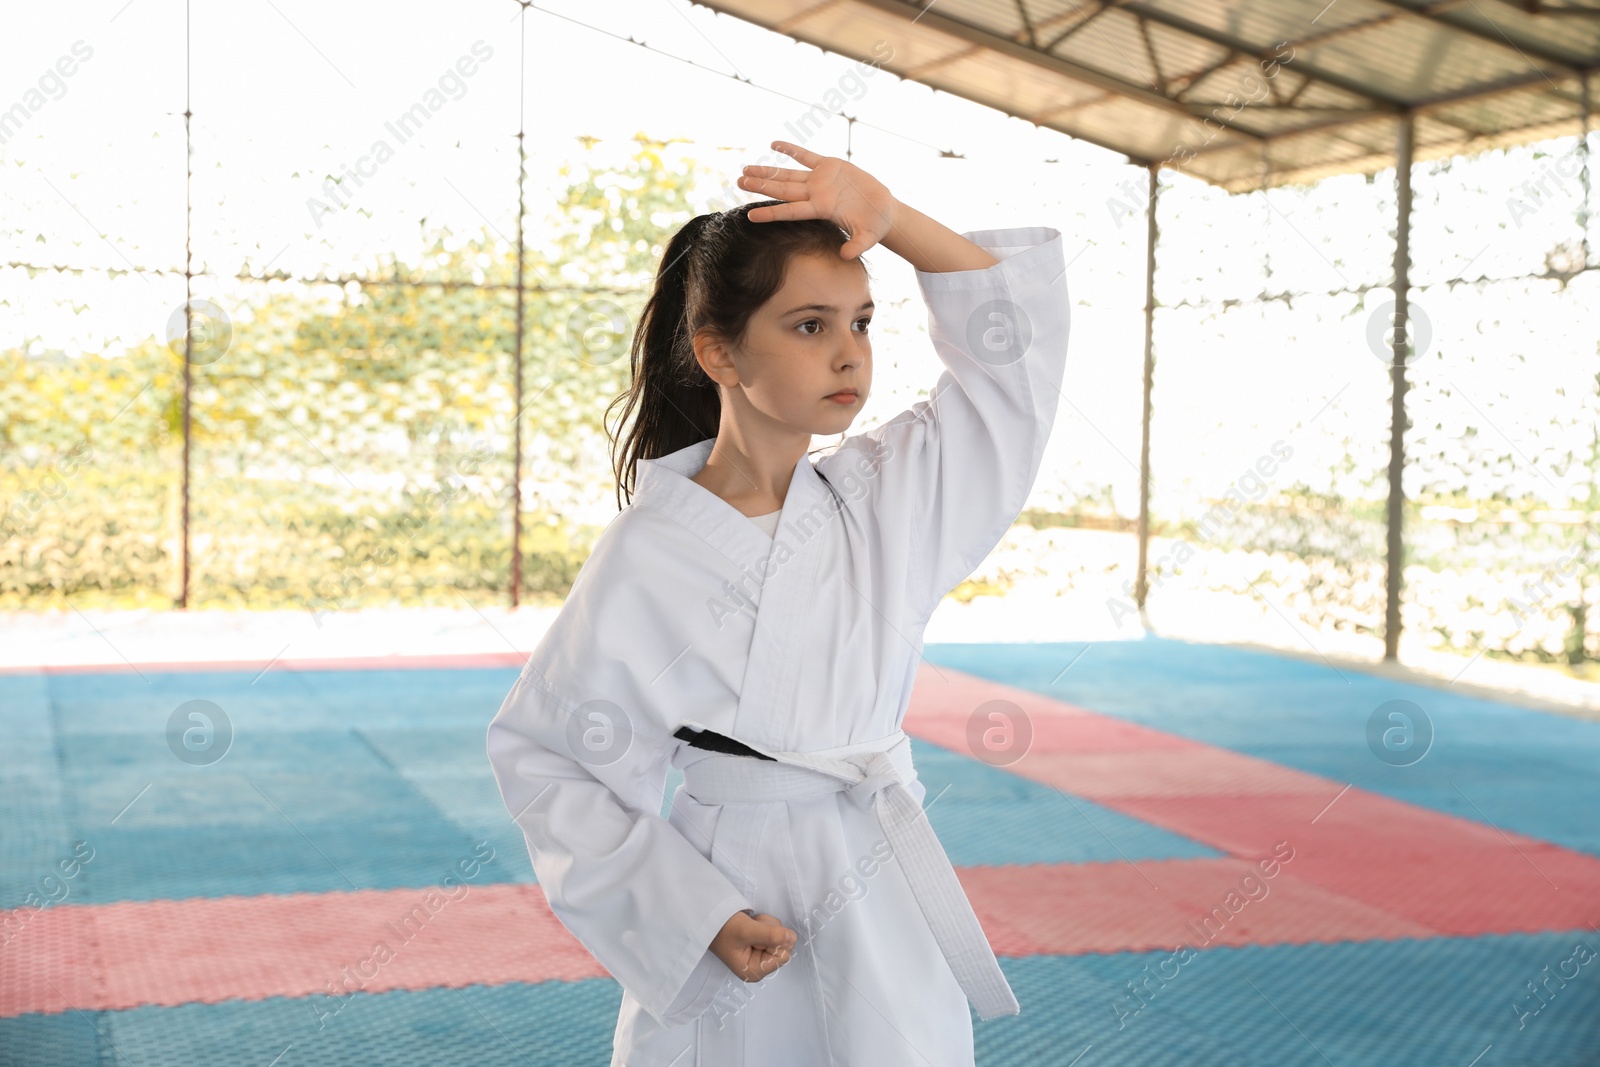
(1583, 147)
(1141, 584)
(1400, 347)
(188, 308)
(516, 422)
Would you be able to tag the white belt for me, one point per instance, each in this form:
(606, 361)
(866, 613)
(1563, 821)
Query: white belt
(874, 773)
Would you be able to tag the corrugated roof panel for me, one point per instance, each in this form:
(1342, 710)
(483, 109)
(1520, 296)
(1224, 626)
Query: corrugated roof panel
(996, 16)
(1182, 56)
(1299, 159)
(1246, 81)
(1533, 106)
(1267, 121)
(1400, 55)
(1321, 94)
(1027, 91)
(1414, 62)
(1572, 38)
(1051, 18)
(1159, 136)
(1224, 74)
(1258, 25)
(1367, 60)
(1111, 43)
(853, 29)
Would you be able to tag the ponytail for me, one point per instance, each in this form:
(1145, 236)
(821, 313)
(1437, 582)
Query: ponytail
(715, 272)
(673, 401)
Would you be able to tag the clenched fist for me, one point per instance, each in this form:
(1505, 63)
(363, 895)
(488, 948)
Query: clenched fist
(753, 948)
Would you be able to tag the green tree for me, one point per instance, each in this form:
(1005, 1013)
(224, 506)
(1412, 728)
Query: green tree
(352, 445)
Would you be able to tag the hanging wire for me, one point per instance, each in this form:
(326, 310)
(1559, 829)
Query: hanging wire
(340, 280)
(361, 280)
(741, 79)
(1285, 296)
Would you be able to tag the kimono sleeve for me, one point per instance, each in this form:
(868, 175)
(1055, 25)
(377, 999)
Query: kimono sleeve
(950, 474)
(624, 881)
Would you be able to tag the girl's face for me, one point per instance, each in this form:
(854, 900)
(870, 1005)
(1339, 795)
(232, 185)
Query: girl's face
(809, 341)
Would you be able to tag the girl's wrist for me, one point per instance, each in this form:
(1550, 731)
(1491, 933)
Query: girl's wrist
(930, 246)
(900, 219)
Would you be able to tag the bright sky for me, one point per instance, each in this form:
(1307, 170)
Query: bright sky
(285, 92)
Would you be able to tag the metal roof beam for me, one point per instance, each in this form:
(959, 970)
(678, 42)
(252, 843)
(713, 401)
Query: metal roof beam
(1391, 104)
(1206, 33)
(1191, 80)
(1429, 14)
(1016, 50)
(1150, 54)
(1346, 30)
(1484, 92)
(921, 70)
(1382, 103)
(1332, 128)
(1344, 113)
(1105, 5)
(1279, 104)
(1536, 7)
(783, 26)
(1027, 23)
(1077, 105)
(1332, 119)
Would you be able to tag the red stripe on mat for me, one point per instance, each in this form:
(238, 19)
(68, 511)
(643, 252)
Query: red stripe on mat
(1425, 869)
(1364, 867)
(168, 952)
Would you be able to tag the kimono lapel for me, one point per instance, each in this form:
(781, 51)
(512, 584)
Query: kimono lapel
(781, 575)
(664, 484)
(766, 715)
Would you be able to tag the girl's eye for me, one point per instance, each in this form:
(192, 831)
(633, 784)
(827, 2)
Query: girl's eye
(818, 322)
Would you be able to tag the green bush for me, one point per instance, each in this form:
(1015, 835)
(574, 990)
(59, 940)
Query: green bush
(352, 444)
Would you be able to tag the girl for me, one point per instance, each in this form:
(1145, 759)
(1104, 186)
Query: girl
(755, 619)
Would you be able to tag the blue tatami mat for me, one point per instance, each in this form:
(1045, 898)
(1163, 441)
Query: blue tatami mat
(1491, 761)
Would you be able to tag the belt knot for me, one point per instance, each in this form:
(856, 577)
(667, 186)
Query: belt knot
(878, 771)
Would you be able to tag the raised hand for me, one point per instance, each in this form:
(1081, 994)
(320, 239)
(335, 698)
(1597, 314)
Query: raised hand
(753, 948)
(833, 189)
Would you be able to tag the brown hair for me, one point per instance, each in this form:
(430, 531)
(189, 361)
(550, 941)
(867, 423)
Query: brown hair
(716, 271)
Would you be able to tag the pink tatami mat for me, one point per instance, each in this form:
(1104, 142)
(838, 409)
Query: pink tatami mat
(1159, 904)
(109, 956)
(1442, 873)
(169, 952)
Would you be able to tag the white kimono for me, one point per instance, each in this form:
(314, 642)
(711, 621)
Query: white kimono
(803, 647)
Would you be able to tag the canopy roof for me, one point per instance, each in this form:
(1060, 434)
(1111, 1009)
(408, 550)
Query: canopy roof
(1239, 93)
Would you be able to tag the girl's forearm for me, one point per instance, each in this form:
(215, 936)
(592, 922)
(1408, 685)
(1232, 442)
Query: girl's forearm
(929, 245)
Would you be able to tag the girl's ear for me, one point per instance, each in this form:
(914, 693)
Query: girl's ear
(712, 352)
